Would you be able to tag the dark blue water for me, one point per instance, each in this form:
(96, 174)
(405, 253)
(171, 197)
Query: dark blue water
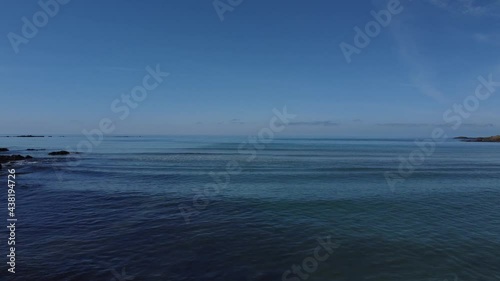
(113, 213)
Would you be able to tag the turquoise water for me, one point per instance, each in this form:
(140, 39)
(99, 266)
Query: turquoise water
(148, 208)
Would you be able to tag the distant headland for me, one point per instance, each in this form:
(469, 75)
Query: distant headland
(26, 136)
(479, 139)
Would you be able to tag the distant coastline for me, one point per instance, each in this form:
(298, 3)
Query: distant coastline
(479, 139)
(26, 136)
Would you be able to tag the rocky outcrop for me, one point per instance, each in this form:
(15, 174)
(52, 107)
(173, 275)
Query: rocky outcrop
(3, 149)
(59, 153)
(11, 158)
(480, 139)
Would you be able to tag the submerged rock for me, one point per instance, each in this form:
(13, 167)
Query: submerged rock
(62, 152)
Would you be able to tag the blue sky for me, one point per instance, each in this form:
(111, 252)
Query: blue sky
(227, 76)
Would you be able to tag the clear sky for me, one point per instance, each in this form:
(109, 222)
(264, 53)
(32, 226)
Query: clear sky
(227, 76)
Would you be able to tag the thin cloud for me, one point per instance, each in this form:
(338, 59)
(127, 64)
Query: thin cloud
(314, 123)
(472, 125)
(237, 121)
(120, 69)
(423, 125)
(487, 38)
(407, 125)
(232, 121)
(421, 74)
(468, 7)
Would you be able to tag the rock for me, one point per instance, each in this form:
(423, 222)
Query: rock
(9, 158)
(30, 136)
(62, 152)
(12, 158)
(3, 149)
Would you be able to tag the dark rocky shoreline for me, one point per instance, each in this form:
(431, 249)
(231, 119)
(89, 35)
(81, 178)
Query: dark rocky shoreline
(479, 139)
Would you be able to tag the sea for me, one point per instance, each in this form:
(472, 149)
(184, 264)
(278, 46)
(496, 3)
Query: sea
(226, 208)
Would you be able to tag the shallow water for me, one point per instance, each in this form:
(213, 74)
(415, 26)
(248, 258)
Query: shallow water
(114, 213)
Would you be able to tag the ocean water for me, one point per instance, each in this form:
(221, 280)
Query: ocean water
(150, 208)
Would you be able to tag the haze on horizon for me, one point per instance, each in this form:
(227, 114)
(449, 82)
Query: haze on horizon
(226, 77)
